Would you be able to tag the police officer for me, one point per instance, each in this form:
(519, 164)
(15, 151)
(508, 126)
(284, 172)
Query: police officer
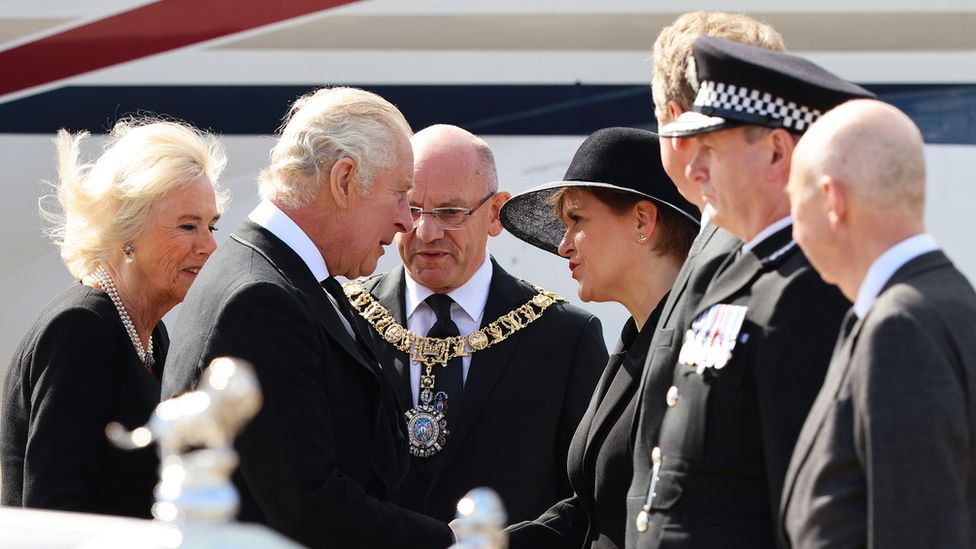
(674, 95)
(756, 351)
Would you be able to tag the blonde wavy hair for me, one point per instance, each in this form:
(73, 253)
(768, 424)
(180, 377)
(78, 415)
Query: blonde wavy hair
(105, 203)
(320, 129)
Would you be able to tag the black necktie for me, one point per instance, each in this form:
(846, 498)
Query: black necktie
(448, 379)
(334, 289)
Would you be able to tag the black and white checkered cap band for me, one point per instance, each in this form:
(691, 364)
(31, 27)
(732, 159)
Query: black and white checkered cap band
(718, 98)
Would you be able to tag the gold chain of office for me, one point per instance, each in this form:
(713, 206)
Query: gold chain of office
(436, 350)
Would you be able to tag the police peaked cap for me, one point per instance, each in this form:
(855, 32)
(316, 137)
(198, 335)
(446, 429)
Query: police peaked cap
(748, 85)
(621, 159)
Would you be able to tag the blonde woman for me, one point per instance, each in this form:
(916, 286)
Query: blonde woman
(134, 228)
(625, 231)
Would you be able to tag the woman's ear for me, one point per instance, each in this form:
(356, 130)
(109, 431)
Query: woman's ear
(646, 215)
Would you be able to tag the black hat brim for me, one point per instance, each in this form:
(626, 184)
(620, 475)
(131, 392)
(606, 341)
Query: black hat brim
(530, 217)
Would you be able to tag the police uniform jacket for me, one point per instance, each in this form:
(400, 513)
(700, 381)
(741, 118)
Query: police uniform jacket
(709, 250)
(728, 433)
(523, 399)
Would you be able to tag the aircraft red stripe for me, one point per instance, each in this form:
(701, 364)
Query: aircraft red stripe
(146, 30)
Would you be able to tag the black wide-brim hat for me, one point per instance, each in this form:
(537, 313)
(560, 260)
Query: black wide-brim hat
(622, 159)
(740, 85)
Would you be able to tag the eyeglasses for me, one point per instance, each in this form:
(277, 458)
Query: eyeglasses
(448, 219)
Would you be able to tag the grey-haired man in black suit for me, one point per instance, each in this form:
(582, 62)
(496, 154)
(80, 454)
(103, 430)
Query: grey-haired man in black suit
(323, 460)
(887, 456)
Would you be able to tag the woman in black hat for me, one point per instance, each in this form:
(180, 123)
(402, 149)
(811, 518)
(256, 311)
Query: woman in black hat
(626, 231)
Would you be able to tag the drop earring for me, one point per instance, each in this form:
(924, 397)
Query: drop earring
(127, 249)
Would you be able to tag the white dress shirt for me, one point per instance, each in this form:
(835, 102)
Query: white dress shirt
(766, 233)
(706, 216)
(885, 267)
(466, 311)
(279, 224)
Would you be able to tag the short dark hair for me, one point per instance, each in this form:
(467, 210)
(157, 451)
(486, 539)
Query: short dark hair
(674, 232)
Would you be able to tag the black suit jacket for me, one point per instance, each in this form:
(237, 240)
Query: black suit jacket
(75, 371)
(887, 456)
(600, 458)
(523, 399)
(322, 460)
(728, 437)
(710, 249)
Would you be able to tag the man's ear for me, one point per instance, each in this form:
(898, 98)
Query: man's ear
(495, 206)
(781, 143)
(835, 200)
(342, 182)
(674, 110)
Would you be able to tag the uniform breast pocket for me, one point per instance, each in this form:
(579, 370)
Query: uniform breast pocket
(732, 409)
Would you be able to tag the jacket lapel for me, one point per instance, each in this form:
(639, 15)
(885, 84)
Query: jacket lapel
(684, 275)
(626, 380)
(295, 271)
(609, 390)
(741, 268)
(836, 374)
(388, 453)
(629, 357)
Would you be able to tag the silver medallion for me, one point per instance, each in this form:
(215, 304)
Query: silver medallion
(426, 426)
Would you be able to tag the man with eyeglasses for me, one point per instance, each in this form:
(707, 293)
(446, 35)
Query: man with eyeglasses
(493, 374)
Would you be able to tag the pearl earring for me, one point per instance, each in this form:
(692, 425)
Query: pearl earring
(127, 249)
(640, 237)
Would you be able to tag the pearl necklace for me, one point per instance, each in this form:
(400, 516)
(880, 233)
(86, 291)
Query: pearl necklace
(105, 281)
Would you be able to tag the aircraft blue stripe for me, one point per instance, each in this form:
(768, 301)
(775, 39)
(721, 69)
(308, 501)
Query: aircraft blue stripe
(946, 113)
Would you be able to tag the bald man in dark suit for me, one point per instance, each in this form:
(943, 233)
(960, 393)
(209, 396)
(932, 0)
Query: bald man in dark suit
(886, 456)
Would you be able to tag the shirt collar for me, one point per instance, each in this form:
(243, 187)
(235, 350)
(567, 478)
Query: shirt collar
(470, 296)
(706, 216)
(279, 224)
(885, 267)
(766, 233)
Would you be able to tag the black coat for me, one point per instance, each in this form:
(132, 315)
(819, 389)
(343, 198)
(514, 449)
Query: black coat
(323, 459)
(600, 458)
(887, 456)
(727, 438)
(523, 399)
(75, 371)
(710, 249)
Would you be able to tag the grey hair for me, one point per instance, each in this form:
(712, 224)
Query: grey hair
(322, 128)
(103, 204)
